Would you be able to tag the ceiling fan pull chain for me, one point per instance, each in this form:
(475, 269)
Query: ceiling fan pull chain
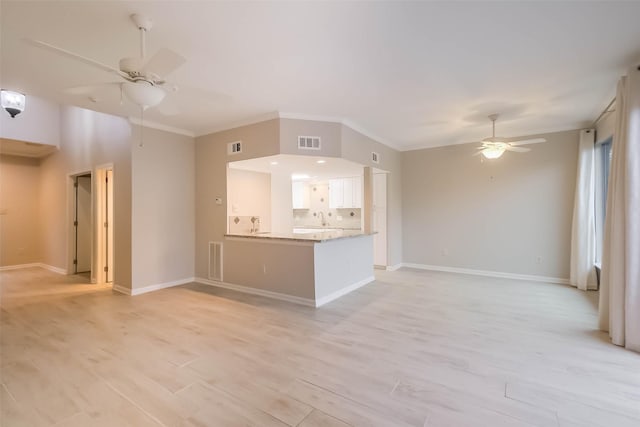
(141, 144)
(142, 42)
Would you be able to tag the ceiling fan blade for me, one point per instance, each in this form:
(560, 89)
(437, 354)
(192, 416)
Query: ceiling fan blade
(90, 89)
(517, 149)
(162, 63)
(77, 57)
(527, 141)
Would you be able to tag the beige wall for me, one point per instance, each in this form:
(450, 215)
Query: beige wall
(87, 140)
(250, 195)
(259, 140)
(494, 215)
(19, 210)
(163, 208)
(282, 267)
(357, 148)
(329, 133)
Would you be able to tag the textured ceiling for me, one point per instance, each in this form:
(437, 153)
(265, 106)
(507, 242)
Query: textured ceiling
(410, 74)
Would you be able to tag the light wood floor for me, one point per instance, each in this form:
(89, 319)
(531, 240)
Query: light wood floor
(412, 349)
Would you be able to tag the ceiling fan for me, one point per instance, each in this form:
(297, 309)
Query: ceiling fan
(494, 147)
(143, 78)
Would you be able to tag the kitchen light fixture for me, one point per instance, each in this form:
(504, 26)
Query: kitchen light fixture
(492, 152)
(274, 163)
(321, 161)
(12, 102)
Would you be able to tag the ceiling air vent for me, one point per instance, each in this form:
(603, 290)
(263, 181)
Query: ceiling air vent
(375, 157)
(309, 143)
(234, 147)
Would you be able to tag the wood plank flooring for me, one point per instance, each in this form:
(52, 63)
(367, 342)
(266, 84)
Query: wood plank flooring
(414, 348)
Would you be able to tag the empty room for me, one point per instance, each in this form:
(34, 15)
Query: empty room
(319, 213)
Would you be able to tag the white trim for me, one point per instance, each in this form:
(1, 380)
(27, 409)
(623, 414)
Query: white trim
(160, 126)
(158, 286)
(121, 289)
(532, 278)
(256, 291)
(35, 264)
(54, 269)
(19, 266)
(394, 267)
(341, 292)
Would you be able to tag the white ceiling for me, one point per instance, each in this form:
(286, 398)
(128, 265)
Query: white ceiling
(410, 74)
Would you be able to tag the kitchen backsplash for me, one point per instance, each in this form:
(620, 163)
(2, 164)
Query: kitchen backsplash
(319, 203)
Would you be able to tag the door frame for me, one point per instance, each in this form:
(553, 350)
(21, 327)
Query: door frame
(71, 217)
(101, 254)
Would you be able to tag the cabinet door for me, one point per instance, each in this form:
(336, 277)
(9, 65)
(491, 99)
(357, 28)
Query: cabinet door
(357, 192)
(347, 193)
(299, 195)
(336, 193)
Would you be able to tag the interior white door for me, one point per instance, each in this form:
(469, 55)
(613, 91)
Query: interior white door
(109, 224)
(380, 219)
(83, 224)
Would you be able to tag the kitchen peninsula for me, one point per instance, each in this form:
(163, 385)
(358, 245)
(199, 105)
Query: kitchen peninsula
(310, 267)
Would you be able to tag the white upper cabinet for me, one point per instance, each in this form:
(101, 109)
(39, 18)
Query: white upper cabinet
(345, 193)
(300, 195)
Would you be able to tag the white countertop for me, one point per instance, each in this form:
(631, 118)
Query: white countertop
(320, 235)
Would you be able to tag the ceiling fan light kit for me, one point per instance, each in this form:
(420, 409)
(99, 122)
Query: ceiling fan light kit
(143, 94)
(493, 152)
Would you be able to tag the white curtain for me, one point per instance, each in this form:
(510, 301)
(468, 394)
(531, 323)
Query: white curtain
(583, 231)
(620, 288)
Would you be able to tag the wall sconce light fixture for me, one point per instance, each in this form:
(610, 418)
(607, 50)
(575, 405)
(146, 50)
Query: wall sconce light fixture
(13, 102)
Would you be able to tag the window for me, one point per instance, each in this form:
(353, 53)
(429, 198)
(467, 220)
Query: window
(603, 165)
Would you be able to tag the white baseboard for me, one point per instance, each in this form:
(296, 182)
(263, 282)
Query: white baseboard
(121, 289)
(151, 288)
(19, 266)
(343, 291)
(486, 273)
(256, 291)
(34, 264)
(394, 267)
(158, 286)
(54, 269)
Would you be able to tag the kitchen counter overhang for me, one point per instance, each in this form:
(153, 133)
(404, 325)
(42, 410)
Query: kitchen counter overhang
(310, 268)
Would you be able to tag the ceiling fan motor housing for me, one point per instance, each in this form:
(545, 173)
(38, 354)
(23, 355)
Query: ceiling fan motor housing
(131, 66)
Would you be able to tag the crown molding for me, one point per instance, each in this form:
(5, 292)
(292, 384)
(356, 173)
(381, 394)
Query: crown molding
(238, 123)
(159, 126)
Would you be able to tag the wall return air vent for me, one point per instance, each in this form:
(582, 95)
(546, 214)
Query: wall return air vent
(375, 157)
(234, 147)
(309, 143)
